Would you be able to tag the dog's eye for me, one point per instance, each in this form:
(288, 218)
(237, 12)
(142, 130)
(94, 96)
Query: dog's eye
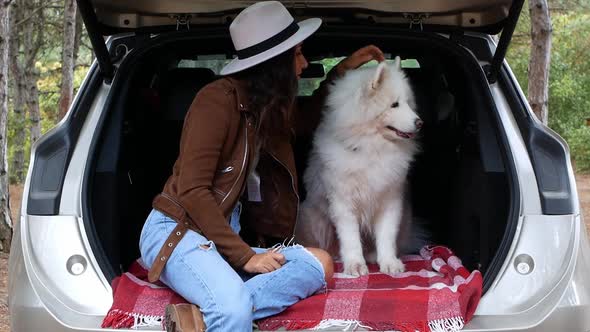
(394, 105)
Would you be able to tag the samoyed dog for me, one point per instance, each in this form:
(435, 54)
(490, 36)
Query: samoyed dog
(356, 203)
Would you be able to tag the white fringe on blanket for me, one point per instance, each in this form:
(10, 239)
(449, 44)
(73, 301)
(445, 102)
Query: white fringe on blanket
(345, 324)
(446, 325)
(453, 324)
(146, 321)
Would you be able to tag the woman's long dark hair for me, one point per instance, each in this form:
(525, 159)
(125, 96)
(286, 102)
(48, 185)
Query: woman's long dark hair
(271, 88)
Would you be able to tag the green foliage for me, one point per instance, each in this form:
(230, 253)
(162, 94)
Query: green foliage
(48, 65)
(14, 127)
(569, 80)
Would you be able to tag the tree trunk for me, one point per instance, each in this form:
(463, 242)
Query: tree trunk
(538, 91)
(18, 94)
(30, 49)
(78, 34)
(33, 42)
(5, 222)
(67, 69)
(33, 105)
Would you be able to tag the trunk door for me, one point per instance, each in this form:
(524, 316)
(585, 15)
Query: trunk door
(124, 15)
(107, 17)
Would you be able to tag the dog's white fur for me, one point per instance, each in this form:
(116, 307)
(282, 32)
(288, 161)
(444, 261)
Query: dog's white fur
(356, 178)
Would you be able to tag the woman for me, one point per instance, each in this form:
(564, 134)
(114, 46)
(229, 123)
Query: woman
(236, 147)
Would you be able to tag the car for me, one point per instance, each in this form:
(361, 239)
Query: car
(491, 182)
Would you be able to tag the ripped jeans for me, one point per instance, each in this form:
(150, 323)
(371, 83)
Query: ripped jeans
(229, 300)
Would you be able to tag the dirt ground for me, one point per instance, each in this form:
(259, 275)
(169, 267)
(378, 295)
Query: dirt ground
(583, 181)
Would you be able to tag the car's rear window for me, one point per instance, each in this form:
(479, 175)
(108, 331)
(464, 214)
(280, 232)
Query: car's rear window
(216, 62)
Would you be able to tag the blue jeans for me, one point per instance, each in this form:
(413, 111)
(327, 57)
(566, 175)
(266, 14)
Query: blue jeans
(229, 300)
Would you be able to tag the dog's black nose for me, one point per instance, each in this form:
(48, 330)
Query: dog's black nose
(419, 123)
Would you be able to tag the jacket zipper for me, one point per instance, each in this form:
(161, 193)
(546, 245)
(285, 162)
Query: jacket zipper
(243, 166)
(294, 191)
(226, 169)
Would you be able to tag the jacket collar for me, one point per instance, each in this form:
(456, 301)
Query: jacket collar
(239, 88)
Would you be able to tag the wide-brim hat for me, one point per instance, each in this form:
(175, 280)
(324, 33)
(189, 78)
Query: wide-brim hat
(263, 31)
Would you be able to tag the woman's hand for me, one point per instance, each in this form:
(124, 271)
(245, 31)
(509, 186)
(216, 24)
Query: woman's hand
(264, 262)
(359, 58)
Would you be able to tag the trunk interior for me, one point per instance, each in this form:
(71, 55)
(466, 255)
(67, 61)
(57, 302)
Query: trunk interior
(462, 182)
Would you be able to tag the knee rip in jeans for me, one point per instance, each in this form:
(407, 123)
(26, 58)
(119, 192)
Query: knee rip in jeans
(287, 243)
(207, 246)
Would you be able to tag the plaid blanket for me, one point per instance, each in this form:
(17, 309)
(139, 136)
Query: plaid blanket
(136, 302)
(436, 293)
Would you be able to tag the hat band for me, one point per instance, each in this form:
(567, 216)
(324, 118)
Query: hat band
(268, 43)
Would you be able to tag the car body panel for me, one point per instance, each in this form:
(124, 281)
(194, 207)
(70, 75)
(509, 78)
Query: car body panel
(53, 264)
(551, 313)
(544, 251)
(529, 194)
(71, 203)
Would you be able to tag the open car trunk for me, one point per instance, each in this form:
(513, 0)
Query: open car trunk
(463, 185)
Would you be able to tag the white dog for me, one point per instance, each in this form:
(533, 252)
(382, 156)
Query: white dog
(356, 178)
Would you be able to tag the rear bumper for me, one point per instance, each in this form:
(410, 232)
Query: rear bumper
(565, 308)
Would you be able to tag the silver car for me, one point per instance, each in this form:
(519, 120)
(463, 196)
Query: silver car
(491, 182)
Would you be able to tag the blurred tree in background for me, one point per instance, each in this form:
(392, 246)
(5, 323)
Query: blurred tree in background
(36, 41)
(5, 218)
(569, 76)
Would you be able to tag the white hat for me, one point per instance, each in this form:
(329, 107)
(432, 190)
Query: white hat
(265, 30)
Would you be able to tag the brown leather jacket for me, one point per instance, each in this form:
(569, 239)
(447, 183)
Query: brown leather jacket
(209, 176)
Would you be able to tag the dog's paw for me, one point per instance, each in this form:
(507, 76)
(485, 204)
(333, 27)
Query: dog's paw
(392, 266)
(356, 268)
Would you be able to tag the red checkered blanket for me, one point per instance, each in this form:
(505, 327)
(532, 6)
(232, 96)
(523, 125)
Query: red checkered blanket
(136, 302)
(436, 293)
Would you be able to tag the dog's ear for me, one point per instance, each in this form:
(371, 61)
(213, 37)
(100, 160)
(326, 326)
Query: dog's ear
(380, 76)
(398, 62)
